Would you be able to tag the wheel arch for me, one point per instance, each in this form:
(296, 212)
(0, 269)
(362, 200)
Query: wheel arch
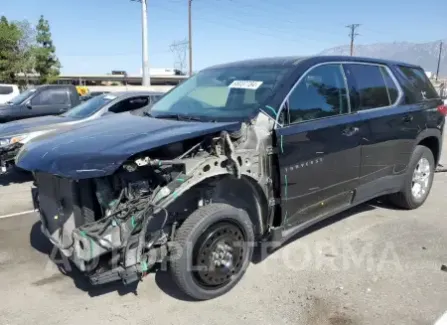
(432, 139)
(243, 193)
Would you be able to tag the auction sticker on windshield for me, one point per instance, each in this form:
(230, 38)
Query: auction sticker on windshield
(109, 97)
(245, 84)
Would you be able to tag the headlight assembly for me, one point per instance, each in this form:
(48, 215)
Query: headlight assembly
(22, 138)
(17, 138)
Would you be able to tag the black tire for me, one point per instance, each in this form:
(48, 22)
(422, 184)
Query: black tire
(405, 199)
(190, 236)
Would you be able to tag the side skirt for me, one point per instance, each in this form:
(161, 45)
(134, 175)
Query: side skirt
(364, 193)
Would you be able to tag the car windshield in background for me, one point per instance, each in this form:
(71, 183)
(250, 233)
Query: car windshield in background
(19, 99)
(224, 94)
(90, 106)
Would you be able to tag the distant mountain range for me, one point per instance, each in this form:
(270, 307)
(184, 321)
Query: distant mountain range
(423, 54)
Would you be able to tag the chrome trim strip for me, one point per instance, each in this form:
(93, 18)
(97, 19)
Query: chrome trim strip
(393, 77)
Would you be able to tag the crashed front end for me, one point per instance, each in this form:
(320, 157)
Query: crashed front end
(8, 154)
(119, 226)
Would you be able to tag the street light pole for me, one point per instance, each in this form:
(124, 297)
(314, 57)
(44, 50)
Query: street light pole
(146, 75)
(190, 37)
(439, 60)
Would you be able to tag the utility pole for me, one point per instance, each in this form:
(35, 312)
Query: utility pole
(146, 75)
(439, 60)
(190, 37)
(145, 52)
(353, 34)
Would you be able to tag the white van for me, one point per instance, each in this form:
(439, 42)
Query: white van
(8, 92)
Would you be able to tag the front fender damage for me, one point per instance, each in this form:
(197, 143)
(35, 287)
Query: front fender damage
(157, 192)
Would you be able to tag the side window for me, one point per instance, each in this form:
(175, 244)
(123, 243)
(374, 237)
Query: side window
(419, 80)
(52, 97)
(6, 90)
(321, 93)
(155, 98)
(130, 104)
(370, 88)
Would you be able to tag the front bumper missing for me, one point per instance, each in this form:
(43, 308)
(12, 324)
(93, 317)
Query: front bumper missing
(106, 250)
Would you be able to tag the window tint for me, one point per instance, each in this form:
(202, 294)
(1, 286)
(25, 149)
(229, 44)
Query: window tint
(51, 97)
(370, 89)
(130, 104)
(420, 82)
(321, 93)
(6, 90)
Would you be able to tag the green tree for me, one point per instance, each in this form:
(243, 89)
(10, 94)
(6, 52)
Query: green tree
(10, 35)
(27, 47)
(46, 61)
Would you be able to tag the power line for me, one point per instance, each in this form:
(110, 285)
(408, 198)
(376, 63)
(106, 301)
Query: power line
(256, 29)
(353, 34)
(439, 60)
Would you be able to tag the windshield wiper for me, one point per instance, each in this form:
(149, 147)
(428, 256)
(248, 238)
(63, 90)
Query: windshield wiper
(179, 117)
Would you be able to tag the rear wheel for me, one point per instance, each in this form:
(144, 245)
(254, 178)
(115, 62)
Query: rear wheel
(212, 250)
(418, 180)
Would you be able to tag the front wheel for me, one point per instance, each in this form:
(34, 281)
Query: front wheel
(418, 180)
(212, 250)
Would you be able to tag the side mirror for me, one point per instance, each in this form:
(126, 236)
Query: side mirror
(28, 105)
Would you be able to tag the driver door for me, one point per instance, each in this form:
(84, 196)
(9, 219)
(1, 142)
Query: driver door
(319, 147)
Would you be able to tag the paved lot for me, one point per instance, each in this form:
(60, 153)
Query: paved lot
(371, 265)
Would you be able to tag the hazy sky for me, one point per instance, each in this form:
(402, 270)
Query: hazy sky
(97, 36)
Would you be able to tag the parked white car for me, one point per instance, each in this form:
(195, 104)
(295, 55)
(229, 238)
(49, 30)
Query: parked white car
(8, 92)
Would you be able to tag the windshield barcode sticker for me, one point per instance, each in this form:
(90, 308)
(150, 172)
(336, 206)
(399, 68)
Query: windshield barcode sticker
(245, 84)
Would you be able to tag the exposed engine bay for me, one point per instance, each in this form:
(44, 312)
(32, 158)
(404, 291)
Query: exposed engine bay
(119, 226)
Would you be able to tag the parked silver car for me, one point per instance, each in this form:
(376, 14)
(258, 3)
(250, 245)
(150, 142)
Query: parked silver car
(15, 134)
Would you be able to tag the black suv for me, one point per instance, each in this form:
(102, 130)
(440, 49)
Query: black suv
(241, 153)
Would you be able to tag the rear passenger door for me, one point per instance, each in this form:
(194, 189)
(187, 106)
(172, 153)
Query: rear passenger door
(319, 146)
(377, 98)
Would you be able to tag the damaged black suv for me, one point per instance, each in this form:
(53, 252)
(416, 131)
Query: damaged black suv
(241, 153)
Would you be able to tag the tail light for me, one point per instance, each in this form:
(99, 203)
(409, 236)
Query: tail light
(442, 109)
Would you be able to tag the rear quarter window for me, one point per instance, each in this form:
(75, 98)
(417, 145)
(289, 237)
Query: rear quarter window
(6, 90)
(422, 86)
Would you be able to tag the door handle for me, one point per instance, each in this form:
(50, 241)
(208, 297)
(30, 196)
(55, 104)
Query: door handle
(350, 131)
(407, 118)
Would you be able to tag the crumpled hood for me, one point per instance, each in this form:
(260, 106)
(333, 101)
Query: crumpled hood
(31, 125)
(98, 148)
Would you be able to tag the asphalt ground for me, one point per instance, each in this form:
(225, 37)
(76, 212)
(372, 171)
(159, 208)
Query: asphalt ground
(373, 264)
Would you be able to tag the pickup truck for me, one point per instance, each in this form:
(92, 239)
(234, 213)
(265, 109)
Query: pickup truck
(40, 101)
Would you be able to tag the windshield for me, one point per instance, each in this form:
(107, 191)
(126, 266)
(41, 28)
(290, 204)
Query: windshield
(225, 94)
(19, 99)
(90, 106)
